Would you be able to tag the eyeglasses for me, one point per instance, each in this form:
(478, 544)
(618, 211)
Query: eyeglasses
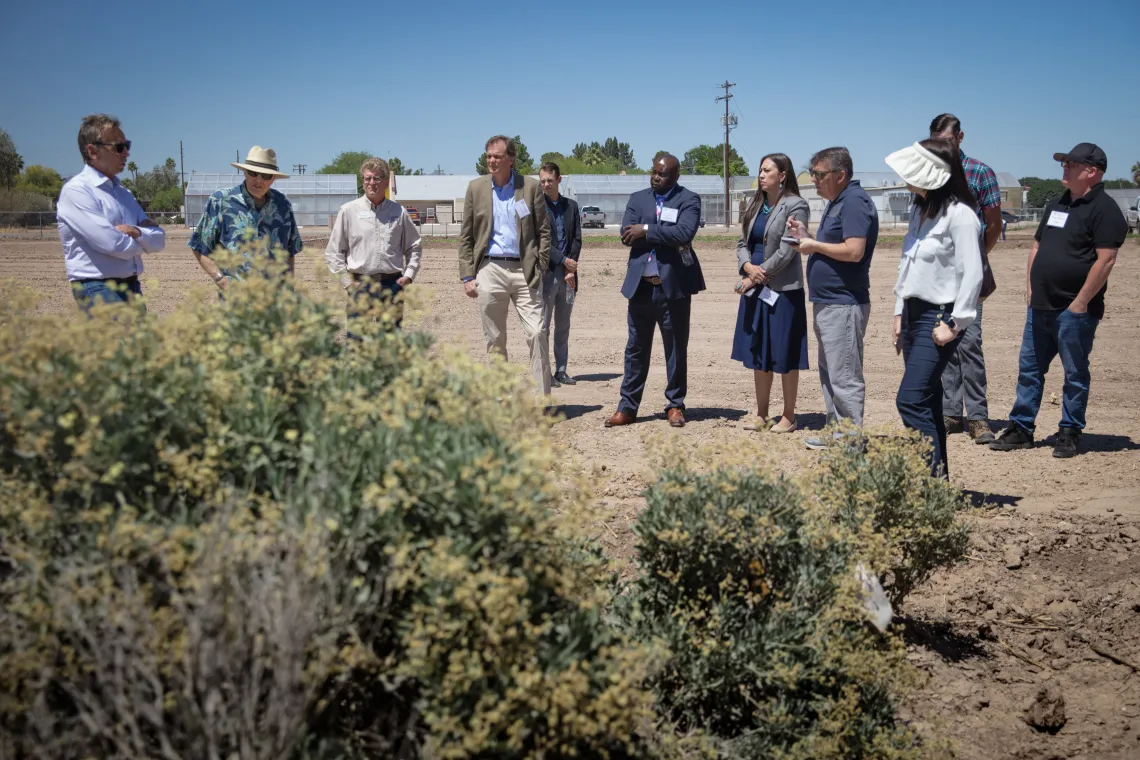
(118, 147)
(373, 180)
(254, 175)
(820, 175)
(1075, 165)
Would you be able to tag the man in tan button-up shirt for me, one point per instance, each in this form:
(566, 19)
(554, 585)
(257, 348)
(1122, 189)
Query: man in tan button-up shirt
(374, 246)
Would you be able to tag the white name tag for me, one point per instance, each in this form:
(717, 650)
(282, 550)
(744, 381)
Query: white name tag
(521, 209)
(364, 214)
(669, 215)
(1058, 219)
(769, 296)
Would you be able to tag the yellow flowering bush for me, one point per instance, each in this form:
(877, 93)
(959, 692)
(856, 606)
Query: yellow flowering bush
(751, 586)
(231, 532)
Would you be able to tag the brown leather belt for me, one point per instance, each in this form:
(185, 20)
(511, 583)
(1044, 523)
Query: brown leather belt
(652, 280)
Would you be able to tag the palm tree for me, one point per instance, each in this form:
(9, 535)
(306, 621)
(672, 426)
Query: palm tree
(133, 168)
(1136, 172)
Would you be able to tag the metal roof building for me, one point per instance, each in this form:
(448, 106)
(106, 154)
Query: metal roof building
(314, 196)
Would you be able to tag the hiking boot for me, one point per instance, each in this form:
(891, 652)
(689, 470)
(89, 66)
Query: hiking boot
(953, 425)
(980, 431)
(1067, 442)
(1012, 438)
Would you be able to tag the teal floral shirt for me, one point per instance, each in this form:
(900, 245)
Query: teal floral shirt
(231, 219)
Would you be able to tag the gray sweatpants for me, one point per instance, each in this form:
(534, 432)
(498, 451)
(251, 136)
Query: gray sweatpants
(839, 331)
(964, 379)
(556, 308)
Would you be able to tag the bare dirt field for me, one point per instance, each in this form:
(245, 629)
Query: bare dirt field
(986, 636)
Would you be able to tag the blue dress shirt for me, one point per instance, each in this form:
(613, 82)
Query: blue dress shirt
(504, 233)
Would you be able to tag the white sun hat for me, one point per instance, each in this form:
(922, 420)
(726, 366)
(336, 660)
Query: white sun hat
(261, 160)
(919, 167)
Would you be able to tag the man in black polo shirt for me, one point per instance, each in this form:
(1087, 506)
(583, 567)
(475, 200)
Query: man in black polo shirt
(1076, 247)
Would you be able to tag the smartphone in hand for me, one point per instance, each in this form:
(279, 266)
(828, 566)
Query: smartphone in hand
(790, 239)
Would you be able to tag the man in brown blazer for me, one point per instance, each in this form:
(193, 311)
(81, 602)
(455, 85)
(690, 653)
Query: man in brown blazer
(504, 249)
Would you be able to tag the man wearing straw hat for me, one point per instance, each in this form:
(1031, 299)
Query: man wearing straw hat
(250, 212)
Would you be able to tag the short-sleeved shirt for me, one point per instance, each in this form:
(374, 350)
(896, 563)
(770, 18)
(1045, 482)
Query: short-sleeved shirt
(232, 219)
(1067, 248)
(851, 215)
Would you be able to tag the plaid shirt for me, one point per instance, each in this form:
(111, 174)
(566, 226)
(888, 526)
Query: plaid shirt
(983, 183)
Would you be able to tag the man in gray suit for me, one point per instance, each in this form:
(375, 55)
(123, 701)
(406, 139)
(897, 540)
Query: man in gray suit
(560, 284)
(504, 247)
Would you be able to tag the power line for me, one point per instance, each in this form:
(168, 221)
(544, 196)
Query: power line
(729, 123)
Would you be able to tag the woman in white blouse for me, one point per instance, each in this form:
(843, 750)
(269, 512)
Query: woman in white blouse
(940, 277)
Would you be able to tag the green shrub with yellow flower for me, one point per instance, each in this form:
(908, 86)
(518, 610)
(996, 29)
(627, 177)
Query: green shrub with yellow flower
(231, 532)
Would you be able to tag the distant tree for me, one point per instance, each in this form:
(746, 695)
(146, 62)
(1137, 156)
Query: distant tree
(523, 162)
(169, 199)
(554, 156)
(1041, 191)
(709, 159)
(1118, 184)
(11, 162)
(418, 173)
(349, 162)
(133, 168)
(619, 152)
(150, 184)
(1136, 172)
(395, 166)
(42, 180)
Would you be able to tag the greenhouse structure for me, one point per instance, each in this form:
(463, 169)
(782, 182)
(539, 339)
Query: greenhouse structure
(315, 197)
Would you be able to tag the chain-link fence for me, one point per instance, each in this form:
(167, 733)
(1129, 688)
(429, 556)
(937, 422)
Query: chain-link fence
(43, 225)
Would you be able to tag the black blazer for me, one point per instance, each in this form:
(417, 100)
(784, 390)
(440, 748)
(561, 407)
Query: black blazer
(572, 221)
(668, 239)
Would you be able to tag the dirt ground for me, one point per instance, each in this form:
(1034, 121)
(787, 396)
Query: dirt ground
(985, 636)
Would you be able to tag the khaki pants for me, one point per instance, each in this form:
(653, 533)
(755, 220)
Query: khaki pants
(501, 283)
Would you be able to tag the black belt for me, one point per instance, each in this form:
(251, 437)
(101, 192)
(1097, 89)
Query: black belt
(134, 278)
(384, 278)
(504, 258)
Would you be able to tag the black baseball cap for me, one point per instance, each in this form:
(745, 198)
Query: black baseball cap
(1085, 153)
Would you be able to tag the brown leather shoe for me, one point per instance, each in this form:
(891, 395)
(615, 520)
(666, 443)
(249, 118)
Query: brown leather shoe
(621, 418)
(980, 431)
(676, 417)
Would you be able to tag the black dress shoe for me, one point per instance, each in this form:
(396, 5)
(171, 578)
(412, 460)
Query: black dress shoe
(554, 382)
(564, 379)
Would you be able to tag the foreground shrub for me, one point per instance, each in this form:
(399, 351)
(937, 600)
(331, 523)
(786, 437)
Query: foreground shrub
(452, 607)
(754, 595)
(905, 520)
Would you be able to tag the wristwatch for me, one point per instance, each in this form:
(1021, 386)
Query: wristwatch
(949, 322)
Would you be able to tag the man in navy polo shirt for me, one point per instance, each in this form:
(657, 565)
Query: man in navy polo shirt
(839, 283)
(1075, 249)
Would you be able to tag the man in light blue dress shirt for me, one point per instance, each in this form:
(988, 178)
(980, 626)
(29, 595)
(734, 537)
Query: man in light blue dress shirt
(103, 229)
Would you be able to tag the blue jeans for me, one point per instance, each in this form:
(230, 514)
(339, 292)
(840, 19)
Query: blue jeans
(87, 293)
(919, 399)
(649, 308)
(1049, 332)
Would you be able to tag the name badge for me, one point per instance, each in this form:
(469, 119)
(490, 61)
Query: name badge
(1058, 219)
(521, 209)
(669, 215)
(364, 214)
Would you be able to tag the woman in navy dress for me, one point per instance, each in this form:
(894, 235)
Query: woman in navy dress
(771, 323)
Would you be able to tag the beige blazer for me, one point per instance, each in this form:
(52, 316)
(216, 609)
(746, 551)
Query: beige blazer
(533, 229)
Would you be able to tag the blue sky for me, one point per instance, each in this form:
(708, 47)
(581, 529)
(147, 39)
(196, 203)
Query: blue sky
(429, 82)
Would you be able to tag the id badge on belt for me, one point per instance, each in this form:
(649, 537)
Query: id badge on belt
(686, 256)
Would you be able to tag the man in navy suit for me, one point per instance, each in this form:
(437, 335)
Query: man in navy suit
(659, 226)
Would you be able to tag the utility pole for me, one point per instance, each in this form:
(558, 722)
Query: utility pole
(728, 124)
(182, 171)
(299, 168)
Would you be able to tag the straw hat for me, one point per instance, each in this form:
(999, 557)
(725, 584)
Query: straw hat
(262, 160)
(919, 167)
